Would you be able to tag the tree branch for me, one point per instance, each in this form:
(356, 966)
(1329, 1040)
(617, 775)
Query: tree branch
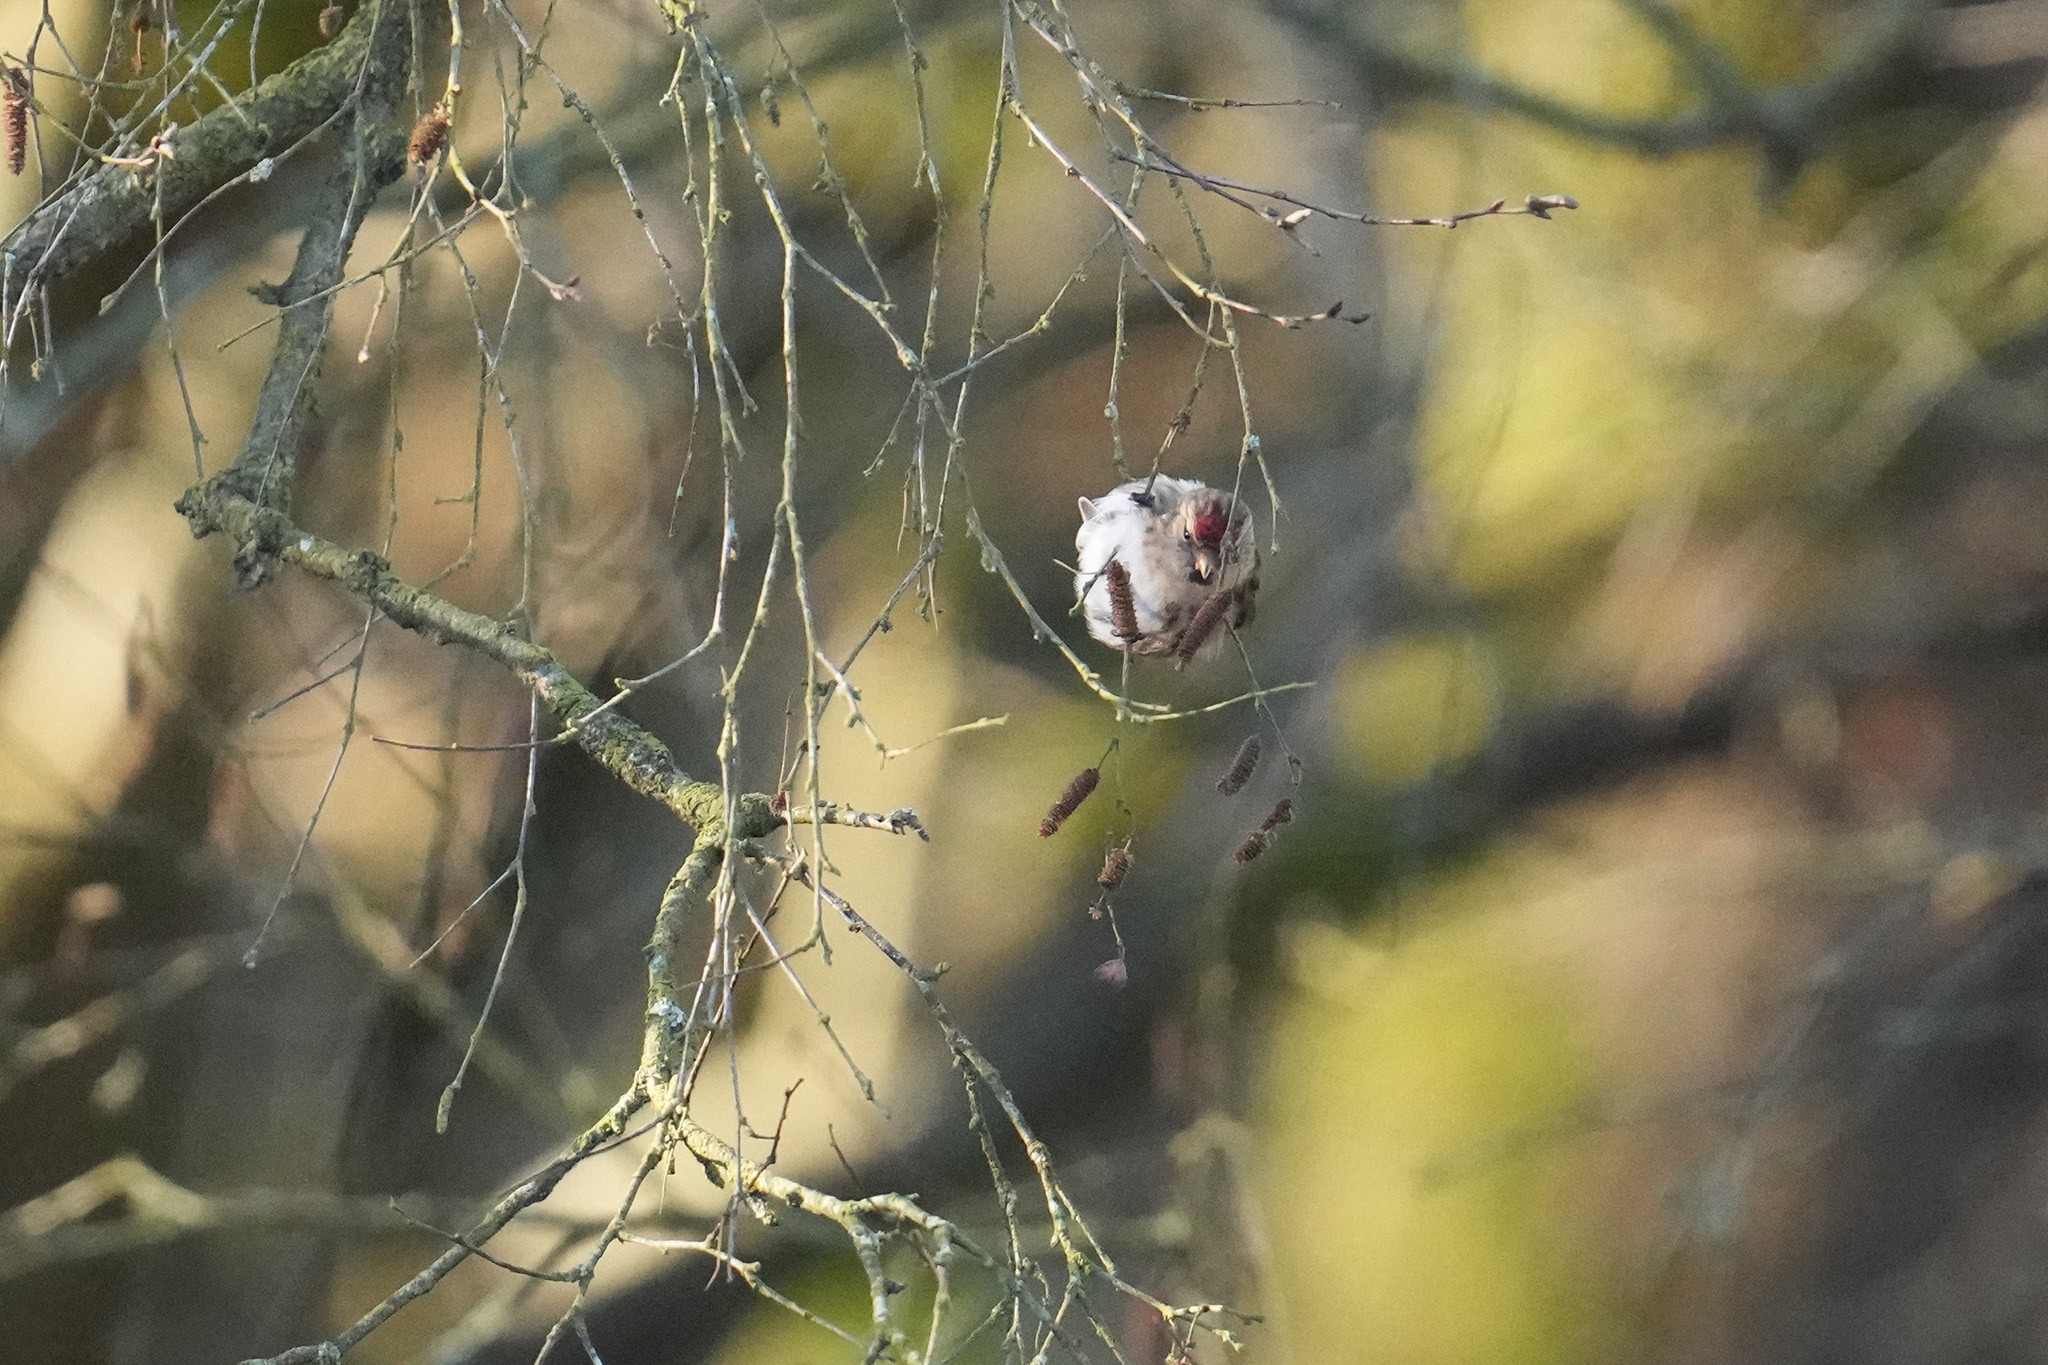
(632, 754)
(1784, 121)
(374, 157)
(114, 205)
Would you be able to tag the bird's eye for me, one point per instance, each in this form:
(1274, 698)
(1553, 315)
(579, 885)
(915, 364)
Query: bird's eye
(1188, 537)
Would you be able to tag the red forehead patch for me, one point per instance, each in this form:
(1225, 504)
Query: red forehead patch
(1210, 523)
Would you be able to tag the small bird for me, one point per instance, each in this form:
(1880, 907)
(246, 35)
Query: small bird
(1180, 544)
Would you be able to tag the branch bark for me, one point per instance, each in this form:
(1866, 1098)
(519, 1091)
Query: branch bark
(110, 208)
(374, 157)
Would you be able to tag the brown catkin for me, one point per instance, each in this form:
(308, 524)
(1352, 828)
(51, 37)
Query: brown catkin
(429, 136)
(1241, 768)
(1115, 868)
(1123, 607)
(1252, 847)
(1070, 801)
(1282, 813)
(15, 101)
(1203, 626)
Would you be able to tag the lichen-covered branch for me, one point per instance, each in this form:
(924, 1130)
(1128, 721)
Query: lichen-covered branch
(265, 533)
(110, 209)
(374, 156)
(514, 1202)
(632, 754)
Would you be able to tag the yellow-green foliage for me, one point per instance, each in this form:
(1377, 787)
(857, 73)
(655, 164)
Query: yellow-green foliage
(1388, 1063)
(1410, 704)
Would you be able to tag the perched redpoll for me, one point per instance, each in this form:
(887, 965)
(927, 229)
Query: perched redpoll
(1182, 545)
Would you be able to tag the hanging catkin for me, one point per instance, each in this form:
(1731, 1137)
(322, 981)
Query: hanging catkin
(1115, 868)
(1241, 768)
(429, 136)
(1202, 627)
(1070, 800)
(1123, 608)
(15, 99)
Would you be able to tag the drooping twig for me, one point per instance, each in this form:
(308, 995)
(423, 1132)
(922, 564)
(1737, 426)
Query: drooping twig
(1070, 1233)
(1532, 206)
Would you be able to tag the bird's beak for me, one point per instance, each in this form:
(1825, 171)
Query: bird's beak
(1205, 566)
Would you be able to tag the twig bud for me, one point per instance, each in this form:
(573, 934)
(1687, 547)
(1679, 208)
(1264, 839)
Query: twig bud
(429, 136)
(1113, 972)
(1123, 608)
(1115, 868)
(1241, 768)
(1542, 204)
(1079, 790)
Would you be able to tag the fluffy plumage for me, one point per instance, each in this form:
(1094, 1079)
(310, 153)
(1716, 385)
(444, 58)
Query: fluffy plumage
(1181, 543)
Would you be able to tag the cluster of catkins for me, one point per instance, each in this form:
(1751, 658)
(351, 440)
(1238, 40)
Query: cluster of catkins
(1164, 566)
